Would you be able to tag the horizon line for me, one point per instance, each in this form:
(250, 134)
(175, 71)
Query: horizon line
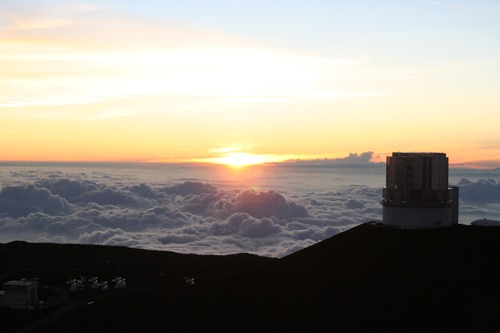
(474, 165)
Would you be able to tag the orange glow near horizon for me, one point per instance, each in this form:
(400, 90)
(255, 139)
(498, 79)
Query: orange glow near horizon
(84, 83)
(239, 160)
(235, 158)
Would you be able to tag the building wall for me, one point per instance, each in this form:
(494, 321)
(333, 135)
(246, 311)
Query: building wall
(416, 194)
(418, 171)
(417, 217)
(21, 294)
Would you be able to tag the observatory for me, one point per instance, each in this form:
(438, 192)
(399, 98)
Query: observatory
(416, 194)
(22, 294)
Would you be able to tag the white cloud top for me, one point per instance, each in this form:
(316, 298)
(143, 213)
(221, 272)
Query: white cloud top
(192, 216)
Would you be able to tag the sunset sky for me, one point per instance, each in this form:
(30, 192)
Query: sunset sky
(253, 81)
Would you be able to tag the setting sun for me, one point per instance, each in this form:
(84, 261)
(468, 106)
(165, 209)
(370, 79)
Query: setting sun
(240, 160)
(240, 157)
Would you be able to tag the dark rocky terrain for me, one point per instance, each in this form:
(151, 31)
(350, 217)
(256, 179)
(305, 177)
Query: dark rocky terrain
(369, 278)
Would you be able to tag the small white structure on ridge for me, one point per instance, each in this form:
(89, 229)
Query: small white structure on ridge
(22, 294)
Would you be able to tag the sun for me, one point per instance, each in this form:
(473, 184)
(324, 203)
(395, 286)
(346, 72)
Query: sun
(238, 160)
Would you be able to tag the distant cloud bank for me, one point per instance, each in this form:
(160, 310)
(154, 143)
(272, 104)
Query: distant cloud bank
(190, 216)
(351, 159)
(197, 217)
(483, 191)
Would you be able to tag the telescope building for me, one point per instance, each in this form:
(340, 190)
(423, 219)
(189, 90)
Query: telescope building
(417, 194)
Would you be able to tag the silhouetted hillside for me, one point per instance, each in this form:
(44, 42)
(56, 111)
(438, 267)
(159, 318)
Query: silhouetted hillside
(367, 278)
(402, 279)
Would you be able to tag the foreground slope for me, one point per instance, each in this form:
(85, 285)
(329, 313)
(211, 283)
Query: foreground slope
(402, 279)
(369, 277)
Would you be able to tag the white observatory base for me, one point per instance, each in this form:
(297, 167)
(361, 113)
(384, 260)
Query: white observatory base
(417, 217)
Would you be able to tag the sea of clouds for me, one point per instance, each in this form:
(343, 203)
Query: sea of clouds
(193, 216)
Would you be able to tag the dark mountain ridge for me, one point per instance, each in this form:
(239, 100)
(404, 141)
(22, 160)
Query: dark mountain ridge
(367, 278)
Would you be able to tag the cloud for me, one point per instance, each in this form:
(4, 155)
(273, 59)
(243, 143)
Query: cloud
(355, 158)
(87, 192)
(68, 188)
(243, 224)
(204, 204)
(16, 201)
(221, 204)
(46, 56)
(351, 159)
(188, 217)
(192, 216)
(478, 199)
(39, 24)
(108, 196)
(481, 164)
(266, 204)
(146, 191)
(483, 190)
(108, 236)
(354, 204)
(110, 208)
(190, 187)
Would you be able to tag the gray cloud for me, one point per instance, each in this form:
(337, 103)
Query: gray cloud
(189, 217)
(195, 217)
(16, 201)
(483, 190)
(243, 224)
(146, 191)
(190, 187)
(69, 189)
(354, 204)
(355, 158)
(266, 204)
(351, 159)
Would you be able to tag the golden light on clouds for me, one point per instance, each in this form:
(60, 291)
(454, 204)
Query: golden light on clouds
(75, 55)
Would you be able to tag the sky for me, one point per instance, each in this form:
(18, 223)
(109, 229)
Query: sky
(241, 82)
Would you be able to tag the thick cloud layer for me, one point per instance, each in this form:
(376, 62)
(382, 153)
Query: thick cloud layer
(17, 201)
(189, 216)
(479, 199)
(484, 190)
(197, 217)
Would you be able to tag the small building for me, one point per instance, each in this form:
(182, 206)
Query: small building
(417, 194)
(22, 294)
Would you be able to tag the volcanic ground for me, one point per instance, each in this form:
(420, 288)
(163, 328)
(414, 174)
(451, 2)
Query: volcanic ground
(369, 278)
